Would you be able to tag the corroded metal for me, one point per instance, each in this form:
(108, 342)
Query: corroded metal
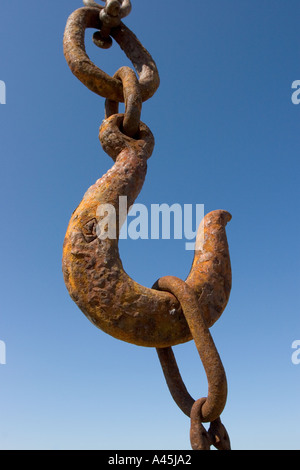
(115, 8)
(133, 101)
(93, 77)
(217, 384)
(93, 270)
(174, 380)
(200, 438)
(219, 437)
(172, 311)
(110, 16)
(113, 11)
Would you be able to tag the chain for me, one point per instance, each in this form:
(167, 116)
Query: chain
(200, 438)
(197, 303)
(206, 409)
(110, 17)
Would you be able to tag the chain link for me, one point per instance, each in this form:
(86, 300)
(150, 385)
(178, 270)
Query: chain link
(92, 76)
(110, 16)
(216, 377)
(200, 438)
(133, 101)
(206, 409)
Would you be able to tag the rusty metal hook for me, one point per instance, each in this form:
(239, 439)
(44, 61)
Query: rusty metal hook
(93, 270)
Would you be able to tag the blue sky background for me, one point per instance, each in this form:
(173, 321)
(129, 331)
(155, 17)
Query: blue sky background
(227, 136)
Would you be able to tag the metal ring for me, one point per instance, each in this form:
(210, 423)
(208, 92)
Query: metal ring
(89, 74)
(133, 101)
(125, 6)
(215, 402)
(199, 437)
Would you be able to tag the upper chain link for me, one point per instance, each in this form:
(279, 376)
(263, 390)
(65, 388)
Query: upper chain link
(92, 76)
(110, 16)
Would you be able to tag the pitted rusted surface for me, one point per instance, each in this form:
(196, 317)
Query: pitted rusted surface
(133, 101)
(217, 384)
(93, 270)
(202, 439)
(93, 77)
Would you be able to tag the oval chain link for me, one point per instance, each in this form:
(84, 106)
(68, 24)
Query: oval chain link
(132, 99)
(92, 76)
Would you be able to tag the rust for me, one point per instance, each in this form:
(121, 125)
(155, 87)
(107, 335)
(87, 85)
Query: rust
(93, 77)
(219, 436)
(200, 438)
(110, 17)
(174, 381)
(113, 11)
(173, 311)
(93, 270)
(217, 383)
(133, 101)
(206, 409)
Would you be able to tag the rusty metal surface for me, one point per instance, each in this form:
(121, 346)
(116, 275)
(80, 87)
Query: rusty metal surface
(93, 77)
(217, 384)
(173, 311)
(93, 271)
(174, 381)
(200, 438)
(133, 102)
(110, 16)
(113, 11)
(219, 437)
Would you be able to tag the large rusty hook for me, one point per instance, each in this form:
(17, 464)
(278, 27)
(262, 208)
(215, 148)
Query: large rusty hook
(93, 271)
(92, 268)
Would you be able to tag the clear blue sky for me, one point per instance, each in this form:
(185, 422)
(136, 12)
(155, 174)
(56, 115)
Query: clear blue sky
(227, 136)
